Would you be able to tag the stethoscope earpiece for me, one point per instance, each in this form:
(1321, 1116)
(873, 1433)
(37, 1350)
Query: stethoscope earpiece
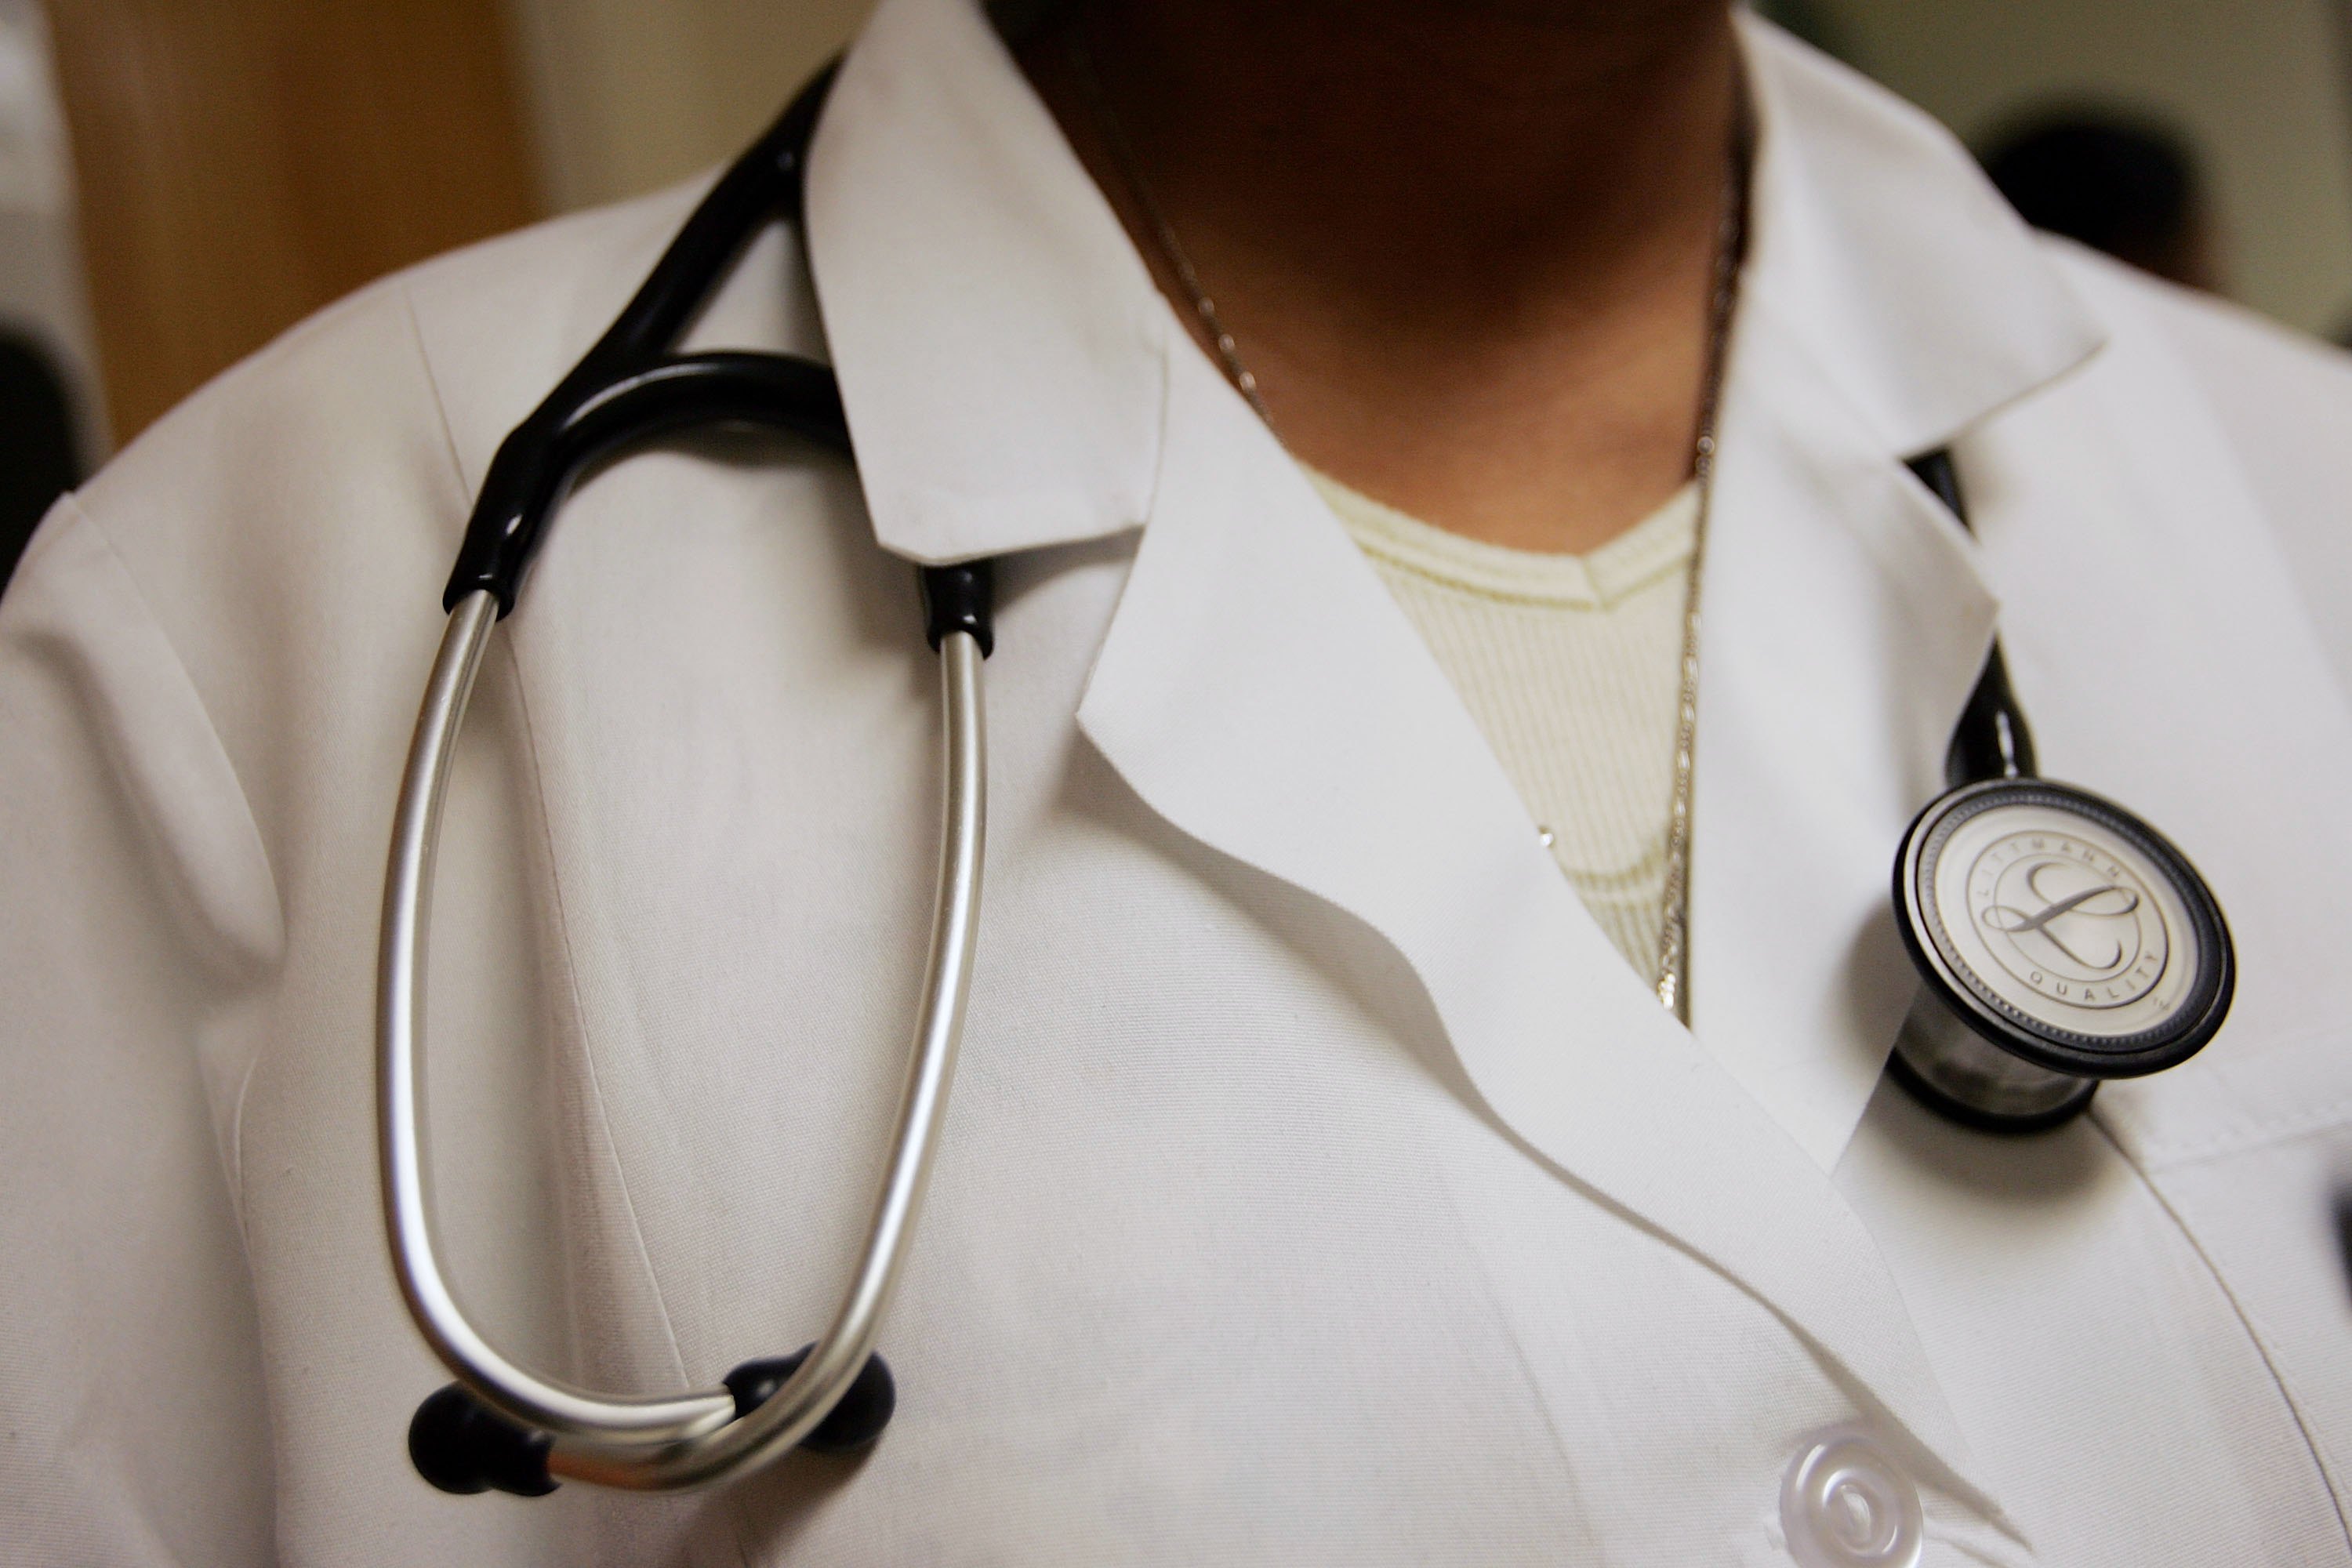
(2062, 941)
(461, 1446)
(854, 1423)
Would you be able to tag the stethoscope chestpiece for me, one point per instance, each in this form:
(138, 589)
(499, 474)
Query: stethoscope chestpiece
(2062, 941)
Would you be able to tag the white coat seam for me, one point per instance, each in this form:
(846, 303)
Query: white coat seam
(1970, 1550)
(2248, 1139)
(2245, 1319)
(1495, 1303)
(236, 1147)
(234, 1140)
(555, 886)
(579, 1012)
(231, 1150)
(433, 389)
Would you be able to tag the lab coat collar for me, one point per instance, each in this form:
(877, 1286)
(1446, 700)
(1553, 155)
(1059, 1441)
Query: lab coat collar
(1001, 346)
(1005, 359)
(1890, 302)
(1919, 294)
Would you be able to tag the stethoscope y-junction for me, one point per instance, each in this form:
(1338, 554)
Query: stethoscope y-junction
(2060, 939)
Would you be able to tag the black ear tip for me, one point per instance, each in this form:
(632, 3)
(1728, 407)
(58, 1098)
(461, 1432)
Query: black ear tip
(854, 1424)
(858, 1421)
(437, 1442)
(461, 1447)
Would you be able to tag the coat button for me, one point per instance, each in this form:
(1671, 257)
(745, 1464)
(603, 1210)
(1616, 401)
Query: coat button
(1845, 1503)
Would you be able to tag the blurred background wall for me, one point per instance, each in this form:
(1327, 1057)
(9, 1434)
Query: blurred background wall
(238, 164)
(2261, 88)
(629, 95)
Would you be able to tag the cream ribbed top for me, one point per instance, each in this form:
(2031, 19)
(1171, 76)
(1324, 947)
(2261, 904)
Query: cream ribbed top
(1570, 666)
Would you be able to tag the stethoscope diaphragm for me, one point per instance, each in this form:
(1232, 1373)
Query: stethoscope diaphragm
(2061, 940)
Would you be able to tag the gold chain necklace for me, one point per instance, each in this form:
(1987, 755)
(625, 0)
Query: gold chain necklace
(1674, 927)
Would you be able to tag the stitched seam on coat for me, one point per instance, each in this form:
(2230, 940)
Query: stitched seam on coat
(233, 1153)
(1970, 1549)
(2261, 1134)
(2245, 1318)
(440, 403)
(1502, 1314)
(579, 1012)
(555, 889)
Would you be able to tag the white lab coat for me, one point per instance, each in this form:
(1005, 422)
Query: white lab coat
(1319, 1186)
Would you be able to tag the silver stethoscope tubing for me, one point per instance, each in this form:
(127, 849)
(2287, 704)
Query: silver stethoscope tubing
(501, 1425)
(679, 1440)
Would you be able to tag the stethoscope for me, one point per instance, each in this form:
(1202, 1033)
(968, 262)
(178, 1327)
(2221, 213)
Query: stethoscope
(2061, 940)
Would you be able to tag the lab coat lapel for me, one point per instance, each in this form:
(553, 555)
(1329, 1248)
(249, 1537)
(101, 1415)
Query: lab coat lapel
(2153, 510)
(1259, 689)
(1890, 303)
(1843, 626)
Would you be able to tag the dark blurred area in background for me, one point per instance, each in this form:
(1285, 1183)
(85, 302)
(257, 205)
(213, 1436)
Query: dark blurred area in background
(38, 461)
(2116, 181)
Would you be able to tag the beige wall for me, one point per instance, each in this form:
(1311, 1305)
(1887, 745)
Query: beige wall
(2260, 86)
(630, 95)
(238, 164)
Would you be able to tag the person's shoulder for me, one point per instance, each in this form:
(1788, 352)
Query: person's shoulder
(347, 379)
(274, 523)
(2267, 381)
(2282, 403)
(349, 445)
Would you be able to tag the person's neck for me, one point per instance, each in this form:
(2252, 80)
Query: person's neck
(1466, 249)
